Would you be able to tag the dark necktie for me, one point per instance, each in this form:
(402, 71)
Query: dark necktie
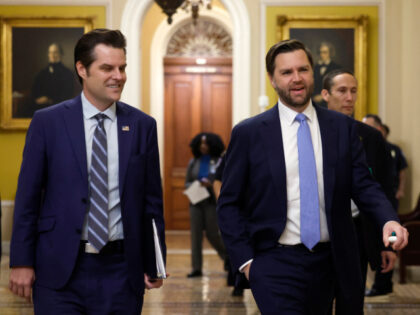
(310, 231)
(98, 212)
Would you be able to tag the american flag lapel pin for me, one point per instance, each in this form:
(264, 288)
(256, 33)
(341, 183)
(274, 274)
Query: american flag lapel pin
(125, 128)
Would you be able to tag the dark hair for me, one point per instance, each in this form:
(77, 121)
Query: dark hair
(327, 82)
(386, 128)
(215, 143)
(84, 50)
(375, 118)
(282, 47)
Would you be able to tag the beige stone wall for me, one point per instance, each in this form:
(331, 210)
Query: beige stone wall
(253, 7)
(401, 110)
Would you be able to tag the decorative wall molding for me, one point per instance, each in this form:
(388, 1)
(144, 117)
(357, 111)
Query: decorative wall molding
(133, 15)
(203, 39)
(237, 22)
(160, 41)
(7, 207)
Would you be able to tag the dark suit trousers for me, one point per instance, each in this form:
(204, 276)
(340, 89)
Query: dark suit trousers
(293, 280)
(98, 286)
(341, 306)
(383, 281)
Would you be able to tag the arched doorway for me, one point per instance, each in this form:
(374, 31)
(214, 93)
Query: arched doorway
(131, 23)
(198, 97)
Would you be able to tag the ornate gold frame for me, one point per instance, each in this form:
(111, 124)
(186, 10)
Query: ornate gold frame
(358, 23)
(7, 121)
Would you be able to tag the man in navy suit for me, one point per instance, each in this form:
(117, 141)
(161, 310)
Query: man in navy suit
(88, 189)
(294, 254)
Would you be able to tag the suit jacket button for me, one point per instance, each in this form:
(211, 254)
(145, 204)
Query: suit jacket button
(84, 200)
(79, 231)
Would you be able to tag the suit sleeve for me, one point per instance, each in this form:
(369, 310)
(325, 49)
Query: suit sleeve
(189, 178)
(385, 168)
(153, 199)
(28, 199)
(231, 210)
(366, 192)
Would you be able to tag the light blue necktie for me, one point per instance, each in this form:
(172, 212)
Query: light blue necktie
(98, 212)
(310, 231)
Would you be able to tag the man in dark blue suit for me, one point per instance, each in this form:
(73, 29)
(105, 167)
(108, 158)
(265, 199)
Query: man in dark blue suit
(88, 189)
(284, 209)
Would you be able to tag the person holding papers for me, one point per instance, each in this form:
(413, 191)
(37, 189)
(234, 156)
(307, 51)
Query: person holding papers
(206, 149)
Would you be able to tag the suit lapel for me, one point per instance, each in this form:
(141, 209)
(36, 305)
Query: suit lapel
(125, 136)
(329, 136)
(273, 144)
(73, 119)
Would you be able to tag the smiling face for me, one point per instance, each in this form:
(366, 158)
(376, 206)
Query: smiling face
(293, 79)
(104, 79)
(342, 95)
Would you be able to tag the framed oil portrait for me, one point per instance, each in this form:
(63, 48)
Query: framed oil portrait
(37, 66)
(335, 43)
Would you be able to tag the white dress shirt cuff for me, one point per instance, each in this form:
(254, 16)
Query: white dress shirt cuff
(241, 268)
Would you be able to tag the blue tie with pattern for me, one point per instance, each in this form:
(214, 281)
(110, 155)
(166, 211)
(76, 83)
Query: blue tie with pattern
(310, 231)
(98, 212)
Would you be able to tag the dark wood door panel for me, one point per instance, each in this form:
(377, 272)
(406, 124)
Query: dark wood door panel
(194, 102)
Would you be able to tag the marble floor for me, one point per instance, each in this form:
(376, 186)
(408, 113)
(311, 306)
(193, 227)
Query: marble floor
(210, 295)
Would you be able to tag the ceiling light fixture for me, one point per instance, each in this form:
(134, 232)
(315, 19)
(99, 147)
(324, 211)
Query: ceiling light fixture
(169, 7)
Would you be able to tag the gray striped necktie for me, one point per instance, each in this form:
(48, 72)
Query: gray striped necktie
(98, 212)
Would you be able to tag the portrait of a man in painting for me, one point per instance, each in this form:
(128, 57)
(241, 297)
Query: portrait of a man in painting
(43, 75)
(331, 48)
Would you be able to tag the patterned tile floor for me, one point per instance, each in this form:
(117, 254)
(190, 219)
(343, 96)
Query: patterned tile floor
(210, 295)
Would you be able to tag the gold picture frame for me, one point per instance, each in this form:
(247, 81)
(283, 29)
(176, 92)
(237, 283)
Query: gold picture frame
(346, 35)
(25, 45)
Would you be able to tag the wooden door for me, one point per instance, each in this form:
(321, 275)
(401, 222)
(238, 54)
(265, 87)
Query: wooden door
(198, 98)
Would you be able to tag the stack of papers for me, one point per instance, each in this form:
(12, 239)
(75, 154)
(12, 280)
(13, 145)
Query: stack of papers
(196, 192)
(160, 265)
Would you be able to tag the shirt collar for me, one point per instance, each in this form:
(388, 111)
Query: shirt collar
(288, 115)
(89, 111)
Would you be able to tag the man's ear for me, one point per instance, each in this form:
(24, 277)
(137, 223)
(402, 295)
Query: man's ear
(325, 95)
(81, 70)
(270, 77)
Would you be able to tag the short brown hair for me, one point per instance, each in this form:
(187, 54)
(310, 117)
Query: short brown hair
(85, 46)
(282, 47)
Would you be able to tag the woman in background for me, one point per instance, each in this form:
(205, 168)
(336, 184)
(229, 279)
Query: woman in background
(207, 149)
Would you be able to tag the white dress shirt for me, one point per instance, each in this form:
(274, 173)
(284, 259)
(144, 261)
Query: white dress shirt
(289, 128)
(115, 227)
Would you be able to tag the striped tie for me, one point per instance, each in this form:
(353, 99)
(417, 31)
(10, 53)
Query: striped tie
(98, 212)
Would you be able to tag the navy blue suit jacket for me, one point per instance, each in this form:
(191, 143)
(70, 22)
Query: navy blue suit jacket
(252, 208)
(53, 193)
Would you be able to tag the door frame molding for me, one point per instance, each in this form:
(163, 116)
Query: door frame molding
(236, 21)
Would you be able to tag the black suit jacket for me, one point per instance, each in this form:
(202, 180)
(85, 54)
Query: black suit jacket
(380, 165)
